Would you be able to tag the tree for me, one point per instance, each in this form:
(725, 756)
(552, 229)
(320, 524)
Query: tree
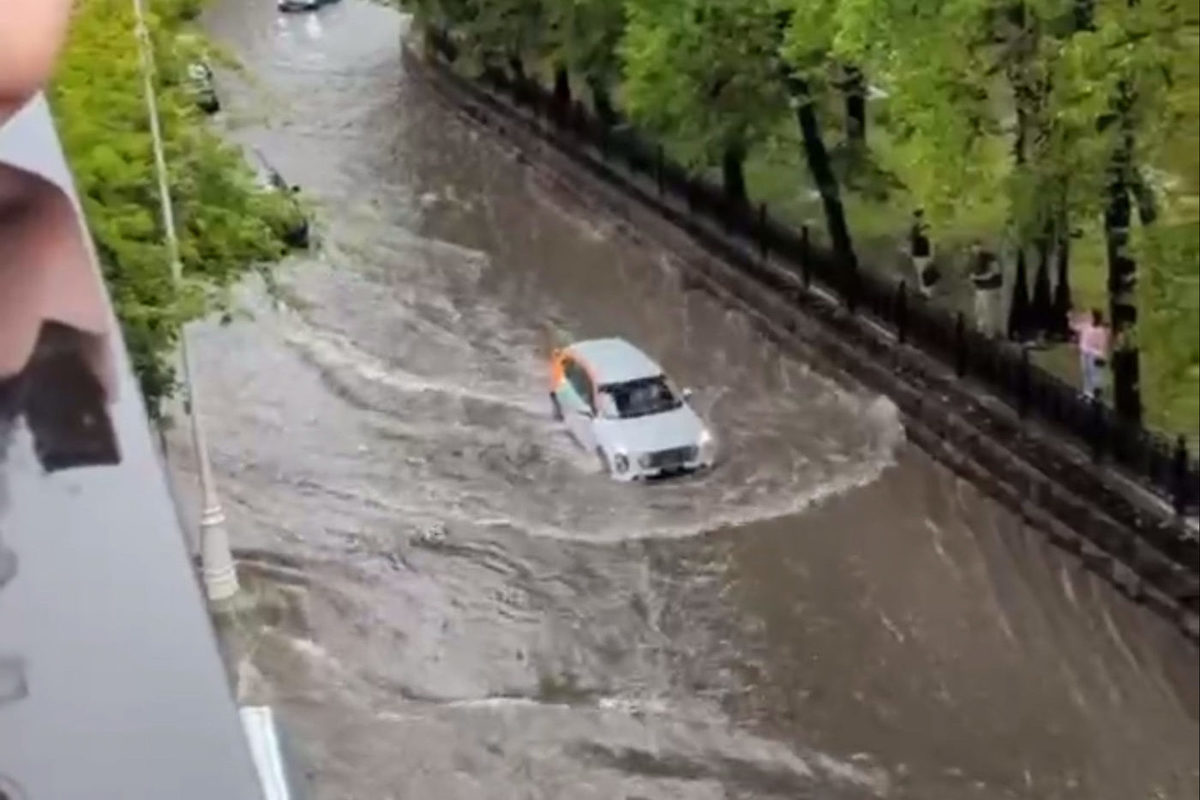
(226, 225)
(1166, 190)
(1063, 63)
(809, 28)
(1042, 117)
(585, 37)
(1169, 297)
(930, 59)
(703, 76)
(507, 32)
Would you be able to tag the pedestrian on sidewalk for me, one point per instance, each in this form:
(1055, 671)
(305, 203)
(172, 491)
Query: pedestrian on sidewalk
(1093, 350)
(988, 280)
(920, 250)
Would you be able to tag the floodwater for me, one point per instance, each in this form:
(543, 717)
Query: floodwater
(829, 614)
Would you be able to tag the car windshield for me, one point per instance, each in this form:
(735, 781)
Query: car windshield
(639, 398)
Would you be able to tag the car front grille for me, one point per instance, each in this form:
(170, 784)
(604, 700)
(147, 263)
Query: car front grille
(674, 457)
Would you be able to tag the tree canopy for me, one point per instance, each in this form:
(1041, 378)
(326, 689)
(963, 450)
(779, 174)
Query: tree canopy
(703, 74)
(226, 225)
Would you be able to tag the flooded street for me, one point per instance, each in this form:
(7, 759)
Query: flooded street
(828, 614)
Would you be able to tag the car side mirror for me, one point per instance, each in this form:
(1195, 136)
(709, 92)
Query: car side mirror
(687, 393)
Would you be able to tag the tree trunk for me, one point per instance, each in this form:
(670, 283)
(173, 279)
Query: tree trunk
(602, 102)
(821, 170)
(854, 91)
(1018, 310)
(516, 68)
(1122, 269)
(562, 89)
(1041, 311)
(1123, 178)
(1144, 195)
(1085, 14)
(733, 175)
(1060, 328)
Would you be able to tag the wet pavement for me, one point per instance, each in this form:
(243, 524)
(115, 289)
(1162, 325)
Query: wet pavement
(829, 614)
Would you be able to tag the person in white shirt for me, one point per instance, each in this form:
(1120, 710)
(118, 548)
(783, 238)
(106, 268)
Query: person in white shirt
(1093, 350)
(987, 278)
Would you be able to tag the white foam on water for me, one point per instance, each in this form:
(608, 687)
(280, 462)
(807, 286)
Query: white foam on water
(334, 351)
(694, 735)
(715, 502)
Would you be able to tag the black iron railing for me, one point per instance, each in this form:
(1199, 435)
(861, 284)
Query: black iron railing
(1004, 367)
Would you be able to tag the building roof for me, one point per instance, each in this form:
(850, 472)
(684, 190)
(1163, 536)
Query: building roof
(614, 360)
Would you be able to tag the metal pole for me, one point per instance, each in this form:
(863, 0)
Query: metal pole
(805, 254)
(1179, 476)
(216, 558)
(960, 345)
(762, 231)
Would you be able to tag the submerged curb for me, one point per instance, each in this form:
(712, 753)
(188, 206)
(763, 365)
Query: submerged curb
(1116, 529)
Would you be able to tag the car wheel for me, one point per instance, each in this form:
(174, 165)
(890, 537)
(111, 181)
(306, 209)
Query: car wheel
(604, 465)
(557, 409)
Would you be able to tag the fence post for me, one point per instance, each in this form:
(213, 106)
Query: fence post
(960, 346)
(762, 231)
(805, 270)
(1096, 420)
(1179, 474)
(1023, 384)
(902, 312)
(658, 169)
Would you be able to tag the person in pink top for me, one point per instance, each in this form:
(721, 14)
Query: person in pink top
(1093, 350)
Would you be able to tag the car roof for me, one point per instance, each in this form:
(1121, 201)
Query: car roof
(614, 360)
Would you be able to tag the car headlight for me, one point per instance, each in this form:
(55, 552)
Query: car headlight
(705, 437)
(708, 445)
(621, 462)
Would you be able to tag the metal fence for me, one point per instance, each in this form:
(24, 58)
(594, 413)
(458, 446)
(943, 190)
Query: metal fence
(1004, 367)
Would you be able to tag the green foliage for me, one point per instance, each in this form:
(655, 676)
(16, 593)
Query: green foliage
(585, 36)
(493, 31)
(996, 116)
(1169, 324)
(225, 224)
(703, 74)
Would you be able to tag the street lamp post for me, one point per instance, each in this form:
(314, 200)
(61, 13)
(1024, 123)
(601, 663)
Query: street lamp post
(216, 558)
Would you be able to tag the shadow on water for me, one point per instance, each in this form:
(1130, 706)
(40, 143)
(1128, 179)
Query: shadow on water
(471, 611)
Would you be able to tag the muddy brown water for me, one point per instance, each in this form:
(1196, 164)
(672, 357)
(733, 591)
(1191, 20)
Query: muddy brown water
(829, 614)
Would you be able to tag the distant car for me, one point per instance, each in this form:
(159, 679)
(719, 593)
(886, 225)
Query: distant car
(617, 402)
(298, 5)
(202, 87)
(296, 232)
